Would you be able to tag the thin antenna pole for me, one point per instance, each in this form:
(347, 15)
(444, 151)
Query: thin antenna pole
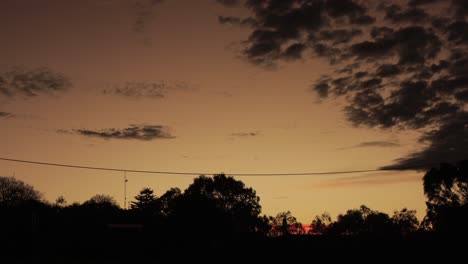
(125, 190)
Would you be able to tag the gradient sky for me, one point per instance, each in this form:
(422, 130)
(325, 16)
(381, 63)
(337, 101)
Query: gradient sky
(191, 98)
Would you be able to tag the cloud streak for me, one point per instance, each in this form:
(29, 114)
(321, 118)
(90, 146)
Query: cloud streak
(134, 132)
(375, 144)
(246, 134)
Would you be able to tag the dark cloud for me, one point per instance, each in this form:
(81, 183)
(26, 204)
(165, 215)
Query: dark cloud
(458, 32)
(405, 67)
(448, 143)
(422, 2)
(381, 32)
(413, 44)
(276, 25)
(25, 82)
(6, 115)
(460, 7)
(340, 35)
(245, 134)
(395, 14)
(386, 70)
(294, 51)
(153, 90)
(138, 132)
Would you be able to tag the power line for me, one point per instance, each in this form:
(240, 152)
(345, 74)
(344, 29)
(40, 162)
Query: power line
(197, 173)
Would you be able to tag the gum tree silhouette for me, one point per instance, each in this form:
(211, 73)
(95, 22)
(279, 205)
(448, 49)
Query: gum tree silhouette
(446, 189)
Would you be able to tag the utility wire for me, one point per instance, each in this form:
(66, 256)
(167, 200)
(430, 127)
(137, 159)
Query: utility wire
(198, 173)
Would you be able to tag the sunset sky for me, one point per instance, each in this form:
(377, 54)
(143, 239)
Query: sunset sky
(235, 87)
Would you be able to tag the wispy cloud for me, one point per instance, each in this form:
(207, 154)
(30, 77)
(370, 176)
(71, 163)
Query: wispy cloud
(137, 132)
(368, 180)
(19, 81)
(154, 90)
(374, 144)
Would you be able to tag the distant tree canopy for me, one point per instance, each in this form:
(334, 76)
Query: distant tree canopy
(405, 221)
(446, 189)
(101, 201)
(362, 221)
(14, 192)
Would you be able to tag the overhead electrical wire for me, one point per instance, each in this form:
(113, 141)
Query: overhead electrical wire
(198, 173)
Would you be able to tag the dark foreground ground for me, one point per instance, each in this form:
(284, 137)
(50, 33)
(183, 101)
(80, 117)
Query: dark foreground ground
(142, 247)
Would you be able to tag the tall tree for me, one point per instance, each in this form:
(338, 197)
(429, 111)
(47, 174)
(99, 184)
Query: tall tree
(446, 189)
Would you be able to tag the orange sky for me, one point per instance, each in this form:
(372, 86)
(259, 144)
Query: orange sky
(96, 45)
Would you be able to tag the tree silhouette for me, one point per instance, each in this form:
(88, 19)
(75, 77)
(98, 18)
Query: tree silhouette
(446, 189)
(405, 221)
(362, 221)
(60, 201)
(101, 201)
(167, 201)
(220, 207)
(145, 200)
(285, 223)
(14, 192)
(320, 224)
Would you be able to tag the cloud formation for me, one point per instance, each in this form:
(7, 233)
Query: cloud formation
(32, 82)
(138, 132)
(398, 64)
(153, 90)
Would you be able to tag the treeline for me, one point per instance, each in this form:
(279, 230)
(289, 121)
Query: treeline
(217, 212)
